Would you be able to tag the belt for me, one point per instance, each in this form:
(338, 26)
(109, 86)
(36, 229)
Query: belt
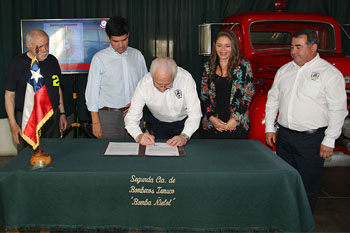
(310, 131)
(113, 109)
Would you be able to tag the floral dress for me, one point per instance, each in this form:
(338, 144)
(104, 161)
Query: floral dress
(240, 97)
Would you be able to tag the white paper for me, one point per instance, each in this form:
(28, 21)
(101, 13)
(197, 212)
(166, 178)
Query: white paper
(161, 149)
(122, 148)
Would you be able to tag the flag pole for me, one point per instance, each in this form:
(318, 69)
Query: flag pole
(39, 141)
(40, 158)
(38, 102)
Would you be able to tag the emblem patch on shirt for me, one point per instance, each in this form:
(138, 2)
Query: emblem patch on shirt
(315, 76)
(178, 93)
(103, 23)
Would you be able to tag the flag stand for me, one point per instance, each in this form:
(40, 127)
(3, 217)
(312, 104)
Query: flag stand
(40, 158)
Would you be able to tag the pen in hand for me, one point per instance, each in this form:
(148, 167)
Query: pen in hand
(145, 139)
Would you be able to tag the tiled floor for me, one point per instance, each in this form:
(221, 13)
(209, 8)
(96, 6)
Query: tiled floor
(332, 213)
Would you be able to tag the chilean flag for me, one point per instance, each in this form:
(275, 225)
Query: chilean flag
(37, 106)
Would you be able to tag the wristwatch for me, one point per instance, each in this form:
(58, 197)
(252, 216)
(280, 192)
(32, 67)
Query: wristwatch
(185, 136)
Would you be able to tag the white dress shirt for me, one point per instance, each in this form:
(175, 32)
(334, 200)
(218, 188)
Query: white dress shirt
(308, 97)
(113, 78)
(174, 104)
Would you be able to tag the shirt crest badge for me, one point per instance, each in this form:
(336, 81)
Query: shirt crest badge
(178, 93)
(315, 76)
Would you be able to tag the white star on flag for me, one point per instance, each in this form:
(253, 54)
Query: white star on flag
(36, 75)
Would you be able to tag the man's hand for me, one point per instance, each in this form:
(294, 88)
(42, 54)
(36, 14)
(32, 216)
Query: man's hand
(231, 125)
(270, 138)
(177, 141)
(96, 125)
(145, 139)
(325, 151)
(63, 122)
(218, 124)
(10, 110)
(97, 130)
(15, 131)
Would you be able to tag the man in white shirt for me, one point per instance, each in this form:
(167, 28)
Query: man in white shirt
(171, 96)
(309, 95)
(113, 76)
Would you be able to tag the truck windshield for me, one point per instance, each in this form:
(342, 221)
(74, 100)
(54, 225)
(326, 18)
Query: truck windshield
(267, 35)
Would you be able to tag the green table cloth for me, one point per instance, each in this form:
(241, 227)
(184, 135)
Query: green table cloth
(220, 185)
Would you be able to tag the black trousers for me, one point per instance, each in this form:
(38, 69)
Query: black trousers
(166, 130)
(302, 151)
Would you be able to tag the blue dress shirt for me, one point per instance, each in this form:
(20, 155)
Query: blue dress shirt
(113, 78)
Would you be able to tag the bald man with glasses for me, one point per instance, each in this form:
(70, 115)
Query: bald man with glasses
(170, 94)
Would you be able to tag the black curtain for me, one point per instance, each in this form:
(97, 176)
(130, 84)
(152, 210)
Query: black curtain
(157, 27)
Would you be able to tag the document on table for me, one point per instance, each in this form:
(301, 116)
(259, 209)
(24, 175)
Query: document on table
(122, 148)
(161, 149)
(132, 148)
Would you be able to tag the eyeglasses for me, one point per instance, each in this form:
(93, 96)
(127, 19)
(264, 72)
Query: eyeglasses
(168, 86)
(42, 47)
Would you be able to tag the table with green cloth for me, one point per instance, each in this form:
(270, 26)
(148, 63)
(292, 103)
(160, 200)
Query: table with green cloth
(219, 186)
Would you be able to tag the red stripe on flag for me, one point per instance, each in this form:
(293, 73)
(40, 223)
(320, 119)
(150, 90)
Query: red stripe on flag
(42, 111)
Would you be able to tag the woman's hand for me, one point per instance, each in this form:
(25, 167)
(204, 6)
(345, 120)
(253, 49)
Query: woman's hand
(218, 124)
(231, 125)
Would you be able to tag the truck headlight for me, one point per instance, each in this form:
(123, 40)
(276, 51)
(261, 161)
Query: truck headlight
(347, 79)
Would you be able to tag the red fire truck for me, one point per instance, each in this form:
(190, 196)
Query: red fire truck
(264, 39)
